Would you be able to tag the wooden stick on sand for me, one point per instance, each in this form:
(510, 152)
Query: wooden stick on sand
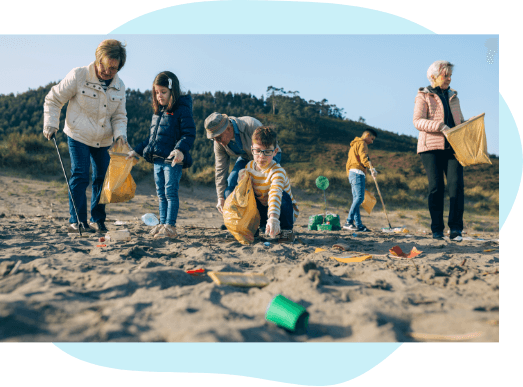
(379, 193)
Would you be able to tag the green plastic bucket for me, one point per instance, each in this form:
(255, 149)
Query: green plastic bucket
(314, 221)
(287, 314)
(334, 220)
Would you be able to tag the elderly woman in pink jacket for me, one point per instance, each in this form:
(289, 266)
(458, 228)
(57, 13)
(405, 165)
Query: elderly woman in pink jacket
(437, 108)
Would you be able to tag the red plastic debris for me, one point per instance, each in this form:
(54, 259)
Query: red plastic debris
(101, 239)
(398, 252)
(196, 271)
(101, 245)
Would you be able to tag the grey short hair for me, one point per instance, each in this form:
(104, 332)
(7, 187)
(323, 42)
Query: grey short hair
(437, 68)
(112, 49)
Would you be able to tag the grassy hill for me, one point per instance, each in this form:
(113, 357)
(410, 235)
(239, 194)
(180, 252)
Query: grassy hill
(314, 138)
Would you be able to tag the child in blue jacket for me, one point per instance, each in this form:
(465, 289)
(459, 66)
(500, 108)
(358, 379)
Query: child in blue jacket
(171, 137)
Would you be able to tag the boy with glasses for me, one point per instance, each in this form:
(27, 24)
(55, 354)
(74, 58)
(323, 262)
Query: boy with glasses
(232, 137)
(277, 207)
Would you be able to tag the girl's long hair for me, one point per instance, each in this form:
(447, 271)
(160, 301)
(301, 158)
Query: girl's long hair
(162, 79)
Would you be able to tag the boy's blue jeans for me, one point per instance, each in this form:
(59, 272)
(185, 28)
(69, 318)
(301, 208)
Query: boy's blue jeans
(286, 212)
(357, 183)
(81, 158)
(241, 163)
(167, 180)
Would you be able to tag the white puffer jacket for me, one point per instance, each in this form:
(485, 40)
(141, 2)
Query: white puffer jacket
(94, 117)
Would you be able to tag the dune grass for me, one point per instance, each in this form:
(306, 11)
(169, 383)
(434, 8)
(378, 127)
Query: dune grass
(402, 187)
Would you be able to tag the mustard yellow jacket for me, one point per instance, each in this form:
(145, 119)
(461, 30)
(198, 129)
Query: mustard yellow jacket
(358, 155)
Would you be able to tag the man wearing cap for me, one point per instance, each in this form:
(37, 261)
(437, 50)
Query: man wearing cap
(232, 137)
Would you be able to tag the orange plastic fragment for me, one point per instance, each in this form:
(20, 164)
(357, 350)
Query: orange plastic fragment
(398, 252)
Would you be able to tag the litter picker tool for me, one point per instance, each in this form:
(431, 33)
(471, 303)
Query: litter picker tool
(80, 225)
(379, 193)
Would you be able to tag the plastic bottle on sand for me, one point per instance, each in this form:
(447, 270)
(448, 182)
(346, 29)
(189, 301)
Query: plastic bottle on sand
(150, 219)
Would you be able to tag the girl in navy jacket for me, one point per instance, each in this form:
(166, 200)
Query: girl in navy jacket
(171, 137)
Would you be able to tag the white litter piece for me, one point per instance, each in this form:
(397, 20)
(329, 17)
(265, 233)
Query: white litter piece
(395, 230)
(118, 235)
(15, 269)
(480, 239)
(150, 219)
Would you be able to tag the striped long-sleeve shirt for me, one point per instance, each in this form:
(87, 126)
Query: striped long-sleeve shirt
(268, 186)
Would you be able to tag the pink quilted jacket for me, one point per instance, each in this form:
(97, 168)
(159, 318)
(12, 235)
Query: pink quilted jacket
(429, 118)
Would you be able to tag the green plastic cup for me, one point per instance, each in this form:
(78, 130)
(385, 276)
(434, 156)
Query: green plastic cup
(287, 314)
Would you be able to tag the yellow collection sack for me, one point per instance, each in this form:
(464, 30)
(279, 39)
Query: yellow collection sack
(469, 141)
(368, 202)
(119, 185)
(240, 213)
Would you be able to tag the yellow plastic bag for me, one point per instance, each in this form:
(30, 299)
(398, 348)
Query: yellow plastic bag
(368, 202)
(469, 141)
(240, 213)
(119, 185)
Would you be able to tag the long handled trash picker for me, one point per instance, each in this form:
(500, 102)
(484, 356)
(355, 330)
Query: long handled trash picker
(379, 193)
(80, 225)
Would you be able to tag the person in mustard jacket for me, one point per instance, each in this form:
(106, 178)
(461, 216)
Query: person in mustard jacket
(357, 165)
(95, 116)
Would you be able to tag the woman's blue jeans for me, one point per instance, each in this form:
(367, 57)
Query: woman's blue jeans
(81, 158)
(167, 180)
(357, 183)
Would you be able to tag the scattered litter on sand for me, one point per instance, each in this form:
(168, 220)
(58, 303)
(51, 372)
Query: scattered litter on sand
(435, 337)
(398, 252)
(69, 290)
(239, 279)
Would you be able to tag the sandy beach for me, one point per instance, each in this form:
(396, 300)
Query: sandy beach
(57, 288)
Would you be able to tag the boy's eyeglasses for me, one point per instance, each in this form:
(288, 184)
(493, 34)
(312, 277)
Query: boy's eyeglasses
(266, 152)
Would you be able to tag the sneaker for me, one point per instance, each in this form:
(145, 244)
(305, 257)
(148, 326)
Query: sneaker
(437, 235)
(455, 236)
(362, 228)
(167, 231)
(99, 226)
(73, 227)
(349, 226)
(155, 229)
(286, 236)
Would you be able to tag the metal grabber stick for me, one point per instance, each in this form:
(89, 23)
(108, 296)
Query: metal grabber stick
(379, 193)
(80, 225)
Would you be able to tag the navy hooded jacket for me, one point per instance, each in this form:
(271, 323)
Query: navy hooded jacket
(171, 131)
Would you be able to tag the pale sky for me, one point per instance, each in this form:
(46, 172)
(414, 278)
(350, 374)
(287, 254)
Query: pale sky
(373, 76)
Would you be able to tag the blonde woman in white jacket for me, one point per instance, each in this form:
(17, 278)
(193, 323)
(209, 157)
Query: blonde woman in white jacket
(95, 116)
